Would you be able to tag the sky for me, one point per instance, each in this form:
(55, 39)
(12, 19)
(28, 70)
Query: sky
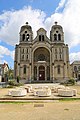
(38, 13)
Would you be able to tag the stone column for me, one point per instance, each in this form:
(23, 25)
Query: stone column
(37, 73)
(50, 66)
(18, 70)
(32, 65)
(30, 75)
(53, 57)
(53, 71)
(45, 73)
(65, 72)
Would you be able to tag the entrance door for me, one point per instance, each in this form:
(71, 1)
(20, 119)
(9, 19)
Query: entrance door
(41, 73)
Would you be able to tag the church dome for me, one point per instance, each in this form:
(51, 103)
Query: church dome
(56, 26)
(26, 26)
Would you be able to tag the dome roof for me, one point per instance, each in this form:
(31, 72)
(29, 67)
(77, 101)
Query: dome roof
(56, 26)
(26, 26)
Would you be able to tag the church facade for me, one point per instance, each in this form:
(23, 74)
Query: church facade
(42, 58)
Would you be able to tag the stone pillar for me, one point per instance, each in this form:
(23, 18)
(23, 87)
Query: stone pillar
(65, 72)
(50, 66)
(18, 70)
(30, 75)
(53, 71)
(45, 73)
(32, 65)
(37, 73)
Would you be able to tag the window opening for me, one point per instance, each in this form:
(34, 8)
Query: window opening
(24, 71)
(39, 37)
(55, 37)
(23, 37)
(58, 69)
(59, 37)
(42, 37)
(27, 37)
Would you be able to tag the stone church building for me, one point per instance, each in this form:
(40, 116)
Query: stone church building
(42, 58)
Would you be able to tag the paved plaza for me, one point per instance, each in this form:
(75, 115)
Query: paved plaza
(39, 109)
(69, 110)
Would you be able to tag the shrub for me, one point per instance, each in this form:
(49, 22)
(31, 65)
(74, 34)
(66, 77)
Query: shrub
(70, 82)
(13, 83)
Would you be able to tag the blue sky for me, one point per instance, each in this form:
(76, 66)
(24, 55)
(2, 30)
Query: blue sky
(48, 6)
(14, 13)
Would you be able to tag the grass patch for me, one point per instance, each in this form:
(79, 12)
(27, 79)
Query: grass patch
(15, 102)
(69, 99)
(22, 102)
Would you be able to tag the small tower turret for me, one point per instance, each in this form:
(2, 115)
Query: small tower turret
(26, 34)
(57, 34)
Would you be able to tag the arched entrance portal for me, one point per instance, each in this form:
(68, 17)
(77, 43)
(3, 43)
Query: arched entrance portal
(41, 73)
(41, 64)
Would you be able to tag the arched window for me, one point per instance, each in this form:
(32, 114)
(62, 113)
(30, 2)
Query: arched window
(27, 37)
(24, 69)
(23, 50)
(58, 69)
(55, 37)
(27, 50)
(59, 37)
(23, 37)
(60, 56)
(75, 68)
(27, 57)
(42, 37)
(22, 57)
(39, 37)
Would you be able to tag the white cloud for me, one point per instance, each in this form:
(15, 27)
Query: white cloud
(61, 4)
(1, 59)
(13, 20)
(70, 20)
(12, 54)
(5, 51)
(74, 56)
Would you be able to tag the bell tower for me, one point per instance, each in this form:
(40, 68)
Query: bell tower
(57, 34)
(26, 34)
